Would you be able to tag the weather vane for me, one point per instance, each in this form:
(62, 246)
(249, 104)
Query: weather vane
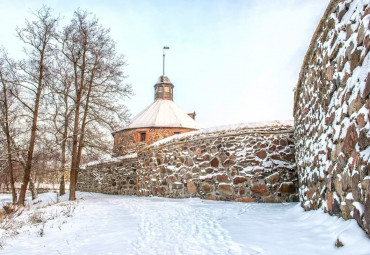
(164, 55)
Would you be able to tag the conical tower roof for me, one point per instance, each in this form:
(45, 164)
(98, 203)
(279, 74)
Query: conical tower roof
(163, 112)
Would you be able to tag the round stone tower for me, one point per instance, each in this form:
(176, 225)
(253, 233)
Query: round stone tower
(161, 119)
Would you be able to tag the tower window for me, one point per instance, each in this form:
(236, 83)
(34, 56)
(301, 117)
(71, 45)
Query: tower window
(142, 136)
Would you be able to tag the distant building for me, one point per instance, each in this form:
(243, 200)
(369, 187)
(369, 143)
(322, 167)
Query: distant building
(161, 119)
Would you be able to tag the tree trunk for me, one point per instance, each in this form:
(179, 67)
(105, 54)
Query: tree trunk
(32, 188)
(62, 189)
(9, 147)
(27, 169)
(62, 186)
(83, 126)
(74, 163)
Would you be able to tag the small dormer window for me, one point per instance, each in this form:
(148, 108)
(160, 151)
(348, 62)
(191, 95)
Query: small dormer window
(176, 132)
(142, 136)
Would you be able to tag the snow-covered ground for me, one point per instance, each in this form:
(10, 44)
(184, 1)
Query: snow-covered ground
(107, 224)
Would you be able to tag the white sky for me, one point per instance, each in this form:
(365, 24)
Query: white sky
(231, 61)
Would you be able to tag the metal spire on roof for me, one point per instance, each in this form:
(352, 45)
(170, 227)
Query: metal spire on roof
(164, 48)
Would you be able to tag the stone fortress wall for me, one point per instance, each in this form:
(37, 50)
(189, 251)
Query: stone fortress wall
(332, 129)
(117, 177)
(248, 163)
(245, 163)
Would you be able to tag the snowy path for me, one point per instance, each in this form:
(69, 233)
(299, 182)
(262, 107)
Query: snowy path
(105, 224)
(179, 227)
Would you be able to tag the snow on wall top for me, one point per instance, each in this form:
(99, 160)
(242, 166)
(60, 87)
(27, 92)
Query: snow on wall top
(227, 129)
(109, 159)
(163, 113)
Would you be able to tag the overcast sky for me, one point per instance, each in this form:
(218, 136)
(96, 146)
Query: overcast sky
(231, 61)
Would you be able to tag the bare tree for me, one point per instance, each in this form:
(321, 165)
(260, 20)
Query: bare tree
(38, 36)
(61, 116)
(6, 66)
(97, 75)
(70, 91)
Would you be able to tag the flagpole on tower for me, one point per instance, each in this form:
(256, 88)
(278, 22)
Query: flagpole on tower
(164, 55)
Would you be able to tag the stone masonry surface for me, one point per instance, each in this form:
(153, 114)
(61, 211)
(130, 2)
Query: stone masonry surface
(332, 114)
(246, 164)
(117, 177)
